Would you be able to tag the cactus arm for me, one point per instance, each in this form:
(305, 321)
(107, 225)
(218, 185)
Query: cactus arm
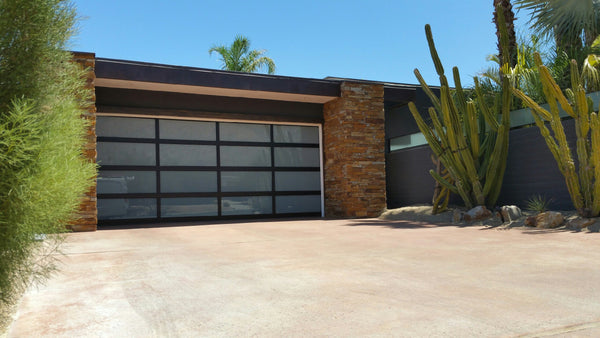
(492, 171)
(433, 141)
(434, 54)
(582, 127)
(535, 108)
(550, 142)
(595, 149)
(485, 110)
(461, 99)
(434, 99)
(471, 119)
(443, 181)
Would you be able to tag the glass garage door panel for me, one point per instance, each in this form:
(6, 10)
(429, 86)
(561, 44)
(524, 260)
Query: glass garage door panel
(233, 156)
(188, 181)
(126, 208)
(244, 132)
(122, 182)
(122, 153)
(110, 126)
(232, 181)
(297, 157)
(295, 134)
(297, 181)
(189, 206)
(187, 155)
(187, 130)
(163, 169)
(251, 205)
(298, 204)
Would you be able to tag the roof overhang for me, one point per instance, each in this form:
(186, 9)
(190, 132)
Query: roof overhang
(155, 77)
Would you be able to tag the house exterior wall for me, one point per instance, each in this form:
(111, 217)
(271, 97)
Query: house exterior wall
(86, 219)
(354, 152)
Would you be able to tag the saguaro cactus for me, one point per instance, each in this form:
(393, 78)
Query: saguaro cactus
(584, 187)
(471, 143)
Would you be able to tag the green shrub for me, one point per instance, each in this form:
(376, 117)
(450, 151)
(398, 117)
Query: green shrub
(538, 203)
(43, 173)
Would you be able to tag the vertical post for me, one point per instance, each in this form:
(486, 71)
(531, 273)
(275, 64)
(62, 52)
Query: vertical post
(354, 151)
(87, 217)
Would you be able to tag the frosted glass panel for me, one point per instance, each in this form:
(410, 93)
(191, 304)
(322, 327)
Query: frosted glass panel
(297, 157)
(123, 208)
(291, 204)
(245, 156)
(407, 141)
(297, 181)
(246, 181)
(122, 182)
(187, 155)
(252, 205)
(188, 181)
(187, 130)
(189, 207)
(295, 134)
(248, 132)
(121, 153)
(110, 126)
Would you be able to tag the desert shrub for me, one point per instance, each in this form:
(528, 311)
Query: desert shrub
(538, 203)
(43, 173)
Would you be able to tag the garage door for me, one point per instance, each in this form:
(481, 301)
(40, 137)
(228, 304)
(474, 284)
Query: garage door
(165, 170)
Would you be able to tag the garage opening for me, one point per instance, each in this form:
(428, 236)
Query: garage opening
(154, 170)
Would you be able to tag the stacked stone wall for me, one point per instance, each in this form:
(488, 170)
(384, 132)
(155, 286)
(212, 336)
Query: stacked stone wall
(354, 152)
(87, 216)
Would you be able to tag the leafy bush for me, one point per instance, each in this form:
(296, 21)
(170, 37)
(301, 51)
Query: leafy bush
(42, 171)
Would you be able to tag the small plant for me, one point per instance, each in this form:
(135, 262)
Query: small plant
(538, 203)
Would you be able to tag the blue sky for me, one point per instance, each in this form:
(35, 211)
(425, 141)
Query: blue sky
(373, 40)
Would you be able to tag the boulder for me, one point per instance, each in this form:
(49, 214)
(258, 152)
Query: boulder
(579, 223)
(549, 220)
(530, 221)
(457, 216)
(594, 227)
(476, 214)
(510, 213)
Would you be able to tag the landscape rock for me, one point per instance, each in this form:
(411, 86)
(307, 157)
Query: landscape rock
(530, 221)
(510, 213)
(476, 214)
(594, 227)
(549, 220)
(579, 223)
(457, 216)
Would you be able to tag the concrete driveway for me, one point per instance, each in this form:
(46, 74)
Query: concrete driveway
(319, 278)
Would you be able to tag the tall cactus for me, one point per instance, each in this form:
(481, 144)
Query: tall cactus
(583, 184)
(471, 143)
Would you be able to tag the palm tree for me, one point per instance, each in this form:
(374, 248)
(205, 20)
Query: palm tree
(567, 20)
(509, 17)
(238, 57)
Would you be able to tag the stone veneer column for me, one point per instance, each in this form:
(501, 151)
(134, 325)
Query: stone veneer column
(87, 218)
(354, 151)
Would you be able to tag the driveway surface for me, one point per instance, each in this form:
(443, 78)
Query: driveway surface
(319, 278)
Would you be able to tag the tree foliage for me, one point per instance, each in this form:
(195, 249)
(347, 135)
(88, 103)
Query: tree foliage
(573, 23)
(238, 57)
(43, 173)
